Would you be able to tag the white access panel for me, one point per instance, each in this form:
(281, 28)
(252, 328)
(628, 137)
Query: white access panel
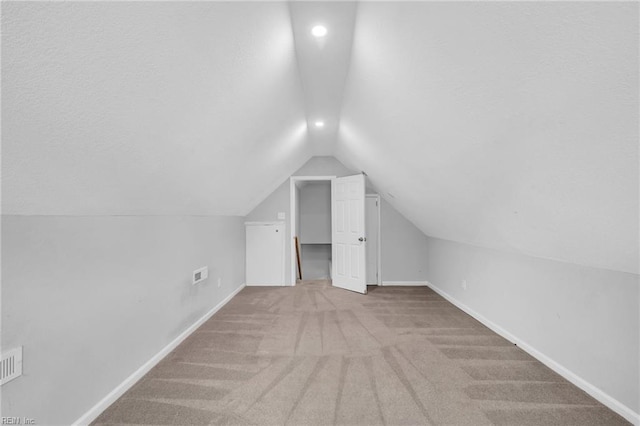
(265, 253)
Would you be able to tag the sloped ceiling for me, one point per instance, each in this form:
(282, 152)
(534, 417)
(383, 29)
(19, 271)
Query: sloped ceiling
(148, 107)
(324, 65)
(507, 125)
(511, 125)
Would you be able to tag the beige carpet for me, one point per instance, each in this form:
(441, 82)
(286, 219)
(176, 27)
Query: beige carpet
(315, 355)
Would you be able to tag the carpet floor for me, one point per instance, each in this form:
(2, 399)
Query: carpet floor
(316, 355)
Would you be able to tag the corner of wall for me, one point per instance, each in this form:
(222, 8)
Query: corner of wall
(127, 383)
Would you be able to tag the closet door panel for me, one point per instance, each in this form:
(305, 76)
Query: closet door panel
(265, 254)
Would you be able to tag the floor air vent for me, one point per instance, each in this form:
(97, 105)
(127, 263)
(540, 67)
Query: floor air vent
(11, 365)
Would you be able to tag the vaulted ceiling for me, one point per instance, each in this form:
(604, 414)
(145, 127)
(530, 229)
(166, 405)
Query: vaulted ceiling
(508, 125)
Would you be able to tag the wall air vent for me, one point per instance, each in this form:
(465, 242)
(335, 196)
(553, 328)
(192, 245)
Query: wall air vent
(200, 275)
(11, 365)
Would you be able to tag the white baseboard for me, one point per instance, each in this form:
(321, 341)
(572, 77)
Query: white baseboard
(267, 285)
(405, 283)
(592, 390)
(97, 409)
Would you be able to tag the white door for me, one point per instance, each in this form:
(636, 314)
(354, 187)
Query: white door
(348, 233)
(265, 254)
(372, 227)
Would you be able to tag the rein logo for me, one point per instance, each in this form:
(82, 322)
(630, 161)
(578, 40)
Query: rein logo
(17, 421)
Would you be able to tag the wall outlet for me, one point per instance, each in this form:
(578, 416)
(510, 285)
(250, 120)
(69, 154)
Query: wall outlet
(464, 284)
(281, 216)
(219, 282)
(200, 275)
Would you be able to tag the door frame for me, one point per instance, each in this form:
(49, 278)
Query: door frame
(293, 182)
(379, 249)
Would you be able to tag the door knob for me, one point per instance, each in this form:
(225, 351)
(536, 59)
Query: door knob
(362, 239)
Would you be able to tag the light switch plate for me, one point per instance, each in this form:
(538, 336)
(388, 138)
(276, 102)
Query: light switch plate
(281, 216)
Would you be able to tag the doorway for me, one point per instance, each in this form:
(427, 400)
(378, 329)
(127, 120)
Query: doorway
(329, 237)
(310, 227)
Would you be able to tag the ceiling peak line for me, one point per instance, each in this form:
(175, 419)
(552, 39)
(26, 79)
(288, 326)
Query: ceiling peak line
(323, 37)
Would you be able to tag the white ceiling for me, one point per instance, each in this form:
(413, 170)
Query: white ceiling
(509, 125)
(323, 64)
(148, 107)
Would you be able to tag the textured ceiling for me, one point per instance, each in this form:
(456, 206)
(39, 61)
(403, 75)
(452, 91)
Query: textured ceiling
(148, 107)
(511, 125)
(508, 125)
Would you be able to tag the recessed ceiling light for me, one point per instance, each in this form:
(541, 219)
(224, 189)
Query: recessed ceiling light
(319, 31)
(319, 124)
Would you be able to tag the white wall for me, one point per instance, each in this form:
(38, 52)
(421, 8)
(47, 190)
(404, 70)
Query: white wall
(585, 319)
(297, 230)
(403, 247)
(279, 200)
(511, 125)
(175, 108)
(315, 229)
(315, 261)
(93, 298)
(315, 213)
(268, 210)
